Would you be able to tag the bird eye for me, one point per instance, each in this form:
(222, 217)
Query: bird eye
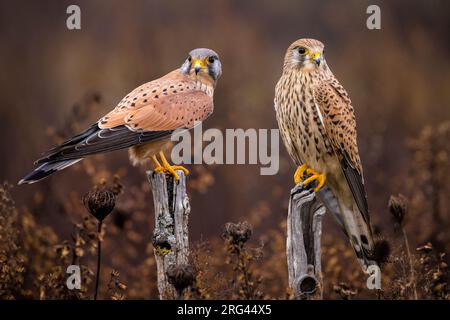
(302, 50)
(189, 58)
(211, 59)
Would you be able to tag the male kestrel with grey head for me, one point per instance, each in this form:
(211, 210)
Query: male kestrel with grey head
(318, 127)
(145, 119)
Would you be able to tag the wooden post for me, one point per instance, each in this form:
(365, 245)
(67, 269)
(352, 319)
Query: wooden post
(170, 237)
(304, 230)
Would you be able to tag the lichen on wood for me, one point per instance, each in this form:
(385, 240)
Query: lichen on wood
(170, 236)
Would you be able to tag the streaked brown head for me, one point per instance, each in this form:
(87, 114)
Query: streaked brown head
(305, 55)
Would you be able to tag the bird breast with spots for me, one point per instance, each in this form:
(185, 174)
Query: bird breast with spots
(299, 119)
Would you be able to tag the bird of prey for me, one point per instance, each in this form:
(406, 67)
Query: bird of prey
(318, 127)
(145, 119)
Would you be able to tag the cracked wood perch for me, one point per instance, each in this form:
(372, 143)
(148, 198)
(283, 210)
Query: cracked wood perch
(304, 230)
(170, 236)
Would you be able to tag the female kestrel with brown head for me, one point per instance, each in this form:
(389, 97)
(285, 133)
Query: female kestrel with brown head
(318, 127)
(145, 119)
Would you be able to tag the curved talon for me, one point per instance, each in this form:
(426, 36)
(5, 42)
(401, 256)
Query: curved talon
(173, 173)
(298, 175)
(159, 169)
(186, 171)
(321, 179)
(167, 167)
(312, 176)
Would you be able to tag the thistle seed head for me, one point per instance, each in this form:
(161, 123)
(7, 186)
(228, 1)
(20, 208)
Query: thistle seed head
(398, 206)
(100, 203)
(181, 277)
(237, 233)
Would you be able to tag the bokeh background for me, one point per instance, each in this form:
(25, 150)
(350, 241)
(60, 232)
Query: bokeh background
(54, 82)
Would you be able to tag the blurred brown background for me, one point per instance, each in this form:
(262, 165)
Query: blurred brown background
(398, 78)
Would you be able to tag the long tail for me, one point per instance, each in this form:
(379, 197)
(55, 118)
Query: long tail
(46, 169)
(353, 225)
(91, 141)
(359, 234)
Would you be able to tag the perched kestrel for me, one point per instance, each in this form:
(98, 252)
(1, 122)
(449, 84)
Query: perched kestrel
(318, 127)
(145, 119)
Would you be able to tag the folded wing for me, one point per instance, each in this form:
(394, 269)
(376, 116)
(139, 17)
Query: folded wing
(340, 125)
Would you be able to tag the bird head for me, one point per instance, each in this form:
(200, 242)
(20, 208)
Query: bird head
(306, 55)
(203, 63)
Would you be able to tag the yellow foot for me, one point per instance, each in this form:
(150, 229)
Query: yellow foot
(298, 175)
(321, 178)
(311, 175)
(167, 167)
(155, 161)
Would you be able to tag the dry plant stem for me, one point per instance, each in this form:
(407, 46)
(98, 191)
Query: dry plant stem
(99, 257)
(304, 230)
(242, 267)
(248, 293)
(170, 237)
(411, 266)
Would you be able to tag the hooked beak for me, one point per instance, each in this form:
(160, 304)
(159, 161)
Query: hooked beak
(316, 58)
(198, 65)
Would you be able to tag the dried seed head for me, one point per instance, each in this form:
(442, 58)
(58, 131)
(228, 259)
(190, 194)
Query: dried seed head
(100, 203)
(181, 277)
(237, 233)
(398, 205)
(381, 251)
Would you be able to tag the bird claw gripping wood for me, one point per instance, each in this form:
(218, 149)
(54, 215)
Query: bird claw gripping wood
(167, 167)
(306, 175)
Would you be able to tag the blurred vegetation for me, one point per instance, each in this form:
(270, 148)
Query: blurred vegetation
(55, 82)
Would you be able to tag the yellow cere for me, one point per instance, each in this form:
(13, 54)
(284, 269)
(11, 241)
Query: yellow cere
(315, 55)
(200, 63)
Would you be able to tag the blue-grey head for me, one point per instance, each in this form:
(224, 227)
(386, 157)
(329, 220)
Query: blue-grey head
(203, 62)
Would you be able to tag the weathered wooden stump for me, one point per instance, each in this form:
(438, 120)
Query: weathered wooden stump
(304, 230)
(170, 236)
